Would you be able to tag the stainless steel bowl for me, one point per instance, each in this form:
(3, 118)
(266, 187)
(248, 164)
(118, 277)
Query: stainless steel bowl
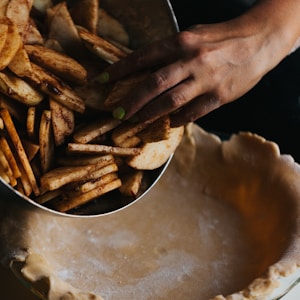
(145, 21)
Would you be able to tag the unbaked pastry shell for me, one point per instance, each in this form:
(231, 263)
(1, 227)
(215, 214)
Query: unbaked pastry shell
(222, 223)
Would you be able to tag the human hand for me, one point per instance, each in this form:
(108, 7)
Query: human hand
(198, 70)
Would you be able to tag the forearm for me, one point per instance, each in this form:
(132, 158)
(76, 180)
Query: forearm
(209, 65)
(280, 19)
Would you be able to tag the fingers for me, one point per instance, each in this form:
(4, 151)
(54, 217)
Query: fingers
(143, 58)
(194, 110)
(173, 87)
(170, 101)
(154, 90)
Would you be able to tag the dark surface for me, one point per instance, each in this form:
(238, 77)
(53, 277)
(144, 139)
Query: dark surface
(11, 287)
(272, 107)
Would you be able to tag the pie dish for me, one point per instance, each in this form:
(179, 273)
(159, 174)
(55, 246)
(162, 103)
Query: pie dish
(222, 223)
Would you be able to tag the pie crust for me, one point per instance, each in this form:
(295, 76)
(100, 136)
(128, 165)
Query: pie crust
(222, 223)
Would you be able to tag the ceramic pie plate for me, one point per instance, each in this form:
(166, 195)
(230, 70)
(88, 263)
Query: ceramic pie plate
(222, 223)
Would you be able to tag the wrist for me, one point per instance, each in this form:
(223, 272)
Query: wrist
(271, 29)
(278, 21)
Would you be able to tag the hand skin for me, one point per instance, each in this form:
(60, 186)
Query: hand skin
(200, 69)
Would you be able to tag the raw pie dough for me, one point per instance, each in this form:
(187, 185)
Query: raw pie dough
(223, 220)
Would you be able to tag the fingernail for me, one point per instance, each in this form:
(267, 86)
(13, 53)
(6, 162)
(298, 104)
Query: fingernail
(103, 78)
(119, 113)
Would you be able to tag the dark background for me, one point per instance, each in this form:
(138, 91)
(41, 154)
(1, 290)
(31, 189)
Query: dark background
(272, 107)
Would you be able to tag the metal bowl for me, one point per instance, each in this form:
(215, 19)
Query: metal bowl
(145, 21)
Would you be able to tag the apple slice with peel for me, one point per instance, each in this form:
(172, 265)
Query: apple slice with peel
(153, 155)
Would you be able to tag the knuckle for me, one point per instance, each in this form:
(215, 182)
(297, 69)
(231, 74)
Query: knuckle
(205, 56)
(184, 38)
(176, 100)
(221, 95)
(201, 53)
(212, 102)
(158, 81)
